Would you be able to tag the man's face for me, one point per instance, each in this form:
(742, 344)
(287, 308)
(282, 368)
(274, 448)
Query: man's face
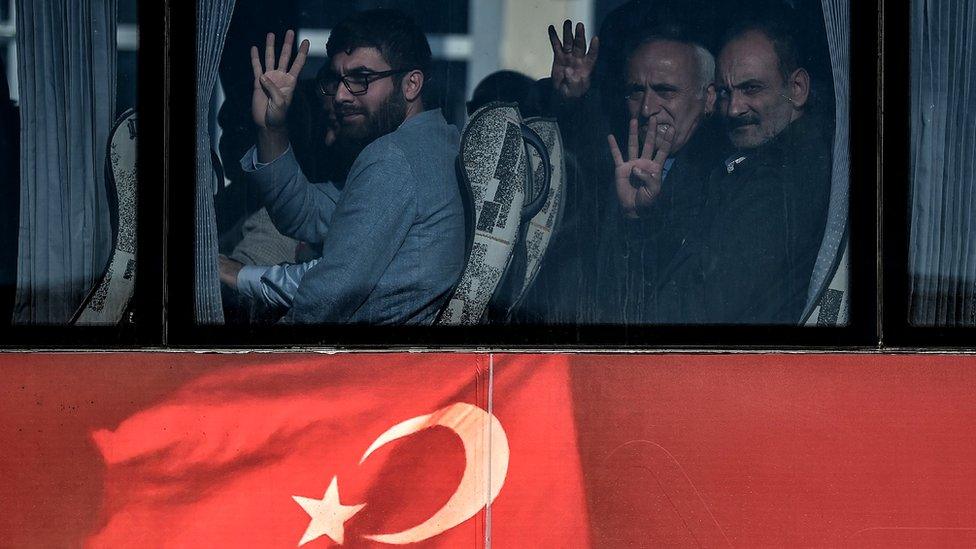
(364, 118)
(753, 98)
(330, 124)
(663, 81)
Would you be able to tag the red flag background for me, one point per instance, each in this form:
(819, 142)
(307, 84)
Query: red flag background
(603, 450)
(220, 461)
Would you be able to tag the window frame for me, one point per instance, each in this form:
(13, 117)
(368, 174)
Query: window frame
(148, 38)
(862, 333)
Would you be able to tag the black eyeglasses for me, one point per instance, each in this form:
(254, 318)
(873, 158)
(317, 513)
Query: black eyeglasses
(356, 83)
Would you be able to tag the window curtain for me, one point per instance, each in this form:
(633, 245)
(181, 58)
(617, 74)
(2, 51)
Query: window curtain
(66, 60)
(213, 20)
(942, 252)
(828, 284)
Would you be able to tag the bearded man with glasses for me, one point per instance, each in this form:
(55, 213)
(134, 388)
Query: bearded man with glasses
(392, 234)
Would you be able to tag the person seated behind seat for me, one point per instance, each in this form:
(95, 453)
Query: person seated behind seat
(658, 190)
(393, 238)
(259, 243)
(669, 97)
(766, 205)
(508, 87)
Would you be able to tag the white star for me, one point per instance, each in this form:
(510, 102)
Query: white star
(328, 515)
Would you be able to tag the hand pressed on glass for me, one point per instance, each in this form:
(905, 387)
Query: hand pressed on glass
(638, 179)
(274, 85)
(572, 64)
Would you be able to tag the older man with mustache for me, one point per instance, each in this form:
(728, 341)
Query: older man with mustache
(751, 259)
(658, 176)
(719, 239)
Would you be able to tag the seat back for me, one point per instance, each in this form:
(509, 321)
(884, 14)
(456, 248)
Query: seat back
(540, 228)
(832, 307)
(537, 189)
(493, 164)
(108, 300)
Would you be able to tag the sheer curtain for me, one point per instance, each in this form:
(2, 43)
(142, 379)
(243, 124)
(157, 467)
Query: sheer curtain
(942, 253)
(828, 294)
(66, 60)
(213, 19)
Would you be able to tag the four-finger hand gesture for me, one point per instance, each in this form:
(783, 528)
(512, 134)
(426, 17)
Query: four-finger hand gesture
(638, 179)
(572, 65)
(274, 85)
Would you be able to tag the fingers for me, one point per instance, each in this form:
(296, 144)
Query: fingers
(650, 138)
(256, 65)
(647, 193)
(663, 142)
(567, 36)
(618, 159)
(269, 59)
(557, 46)
(296, 67)
(579, 44)
(594, 52)
(647, 188)
(645, 177)
(277, 98)
(286, 50)
(632, 141)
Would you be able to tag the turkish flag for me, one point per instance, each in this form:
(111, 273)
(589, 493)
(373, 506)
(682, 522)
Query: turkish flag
(357, 450)
(259, 450)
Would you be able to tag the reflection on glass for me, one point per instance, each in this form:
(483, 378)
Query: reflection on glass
(721, 197)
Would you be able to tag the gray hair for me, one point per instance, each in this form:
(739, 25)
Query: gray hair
(675, 33)
(706, 68)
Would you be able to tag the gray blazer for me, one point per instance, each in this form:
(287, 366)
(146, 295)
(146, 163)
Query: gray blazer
(392, 239)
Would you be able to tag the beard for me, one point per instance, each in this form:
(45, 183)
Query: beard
(353, 138)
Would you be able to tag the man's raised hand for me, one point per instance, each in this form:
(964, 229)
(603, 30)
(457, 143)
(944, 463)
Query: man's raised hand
(638, 179)
(274, 84)
(572, 64)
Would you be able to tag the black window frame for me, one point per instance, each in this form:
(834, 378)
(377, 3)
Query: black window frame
(897, 330)
(147, 326)
(862, 333)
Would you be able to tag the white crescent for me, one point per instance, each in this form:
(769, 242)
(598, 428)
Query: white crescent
(486, 453)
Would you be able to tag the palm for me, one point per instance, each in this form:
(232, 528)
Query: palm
(638, 179)
(274, 84)
(572, 64)
(634, 193)
(267, 113)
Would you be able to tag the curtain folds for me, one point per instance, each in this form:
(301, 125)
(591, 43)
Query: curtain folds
(213, 20)
(829, 270)
(66, 56)
(942, 250)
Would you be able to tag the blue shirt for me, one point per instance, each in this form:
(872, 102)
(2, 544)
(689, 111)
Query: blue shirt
(392, 239)
(666, 168)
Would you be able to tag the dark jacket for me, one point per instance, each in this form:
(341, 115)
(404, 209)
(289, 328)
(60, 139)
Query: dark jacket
(761, 229)
(651, 243)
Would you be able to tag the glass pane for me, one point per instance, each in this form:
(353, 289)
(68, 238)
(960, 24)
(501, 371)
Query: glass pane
(127, 12)
(942, 255)
(434, 16)
(737, 213)
(68, 220)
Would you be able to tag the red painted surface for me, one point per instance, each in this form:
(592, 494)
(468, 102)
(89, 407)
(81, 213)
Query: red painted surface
(673, 450)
